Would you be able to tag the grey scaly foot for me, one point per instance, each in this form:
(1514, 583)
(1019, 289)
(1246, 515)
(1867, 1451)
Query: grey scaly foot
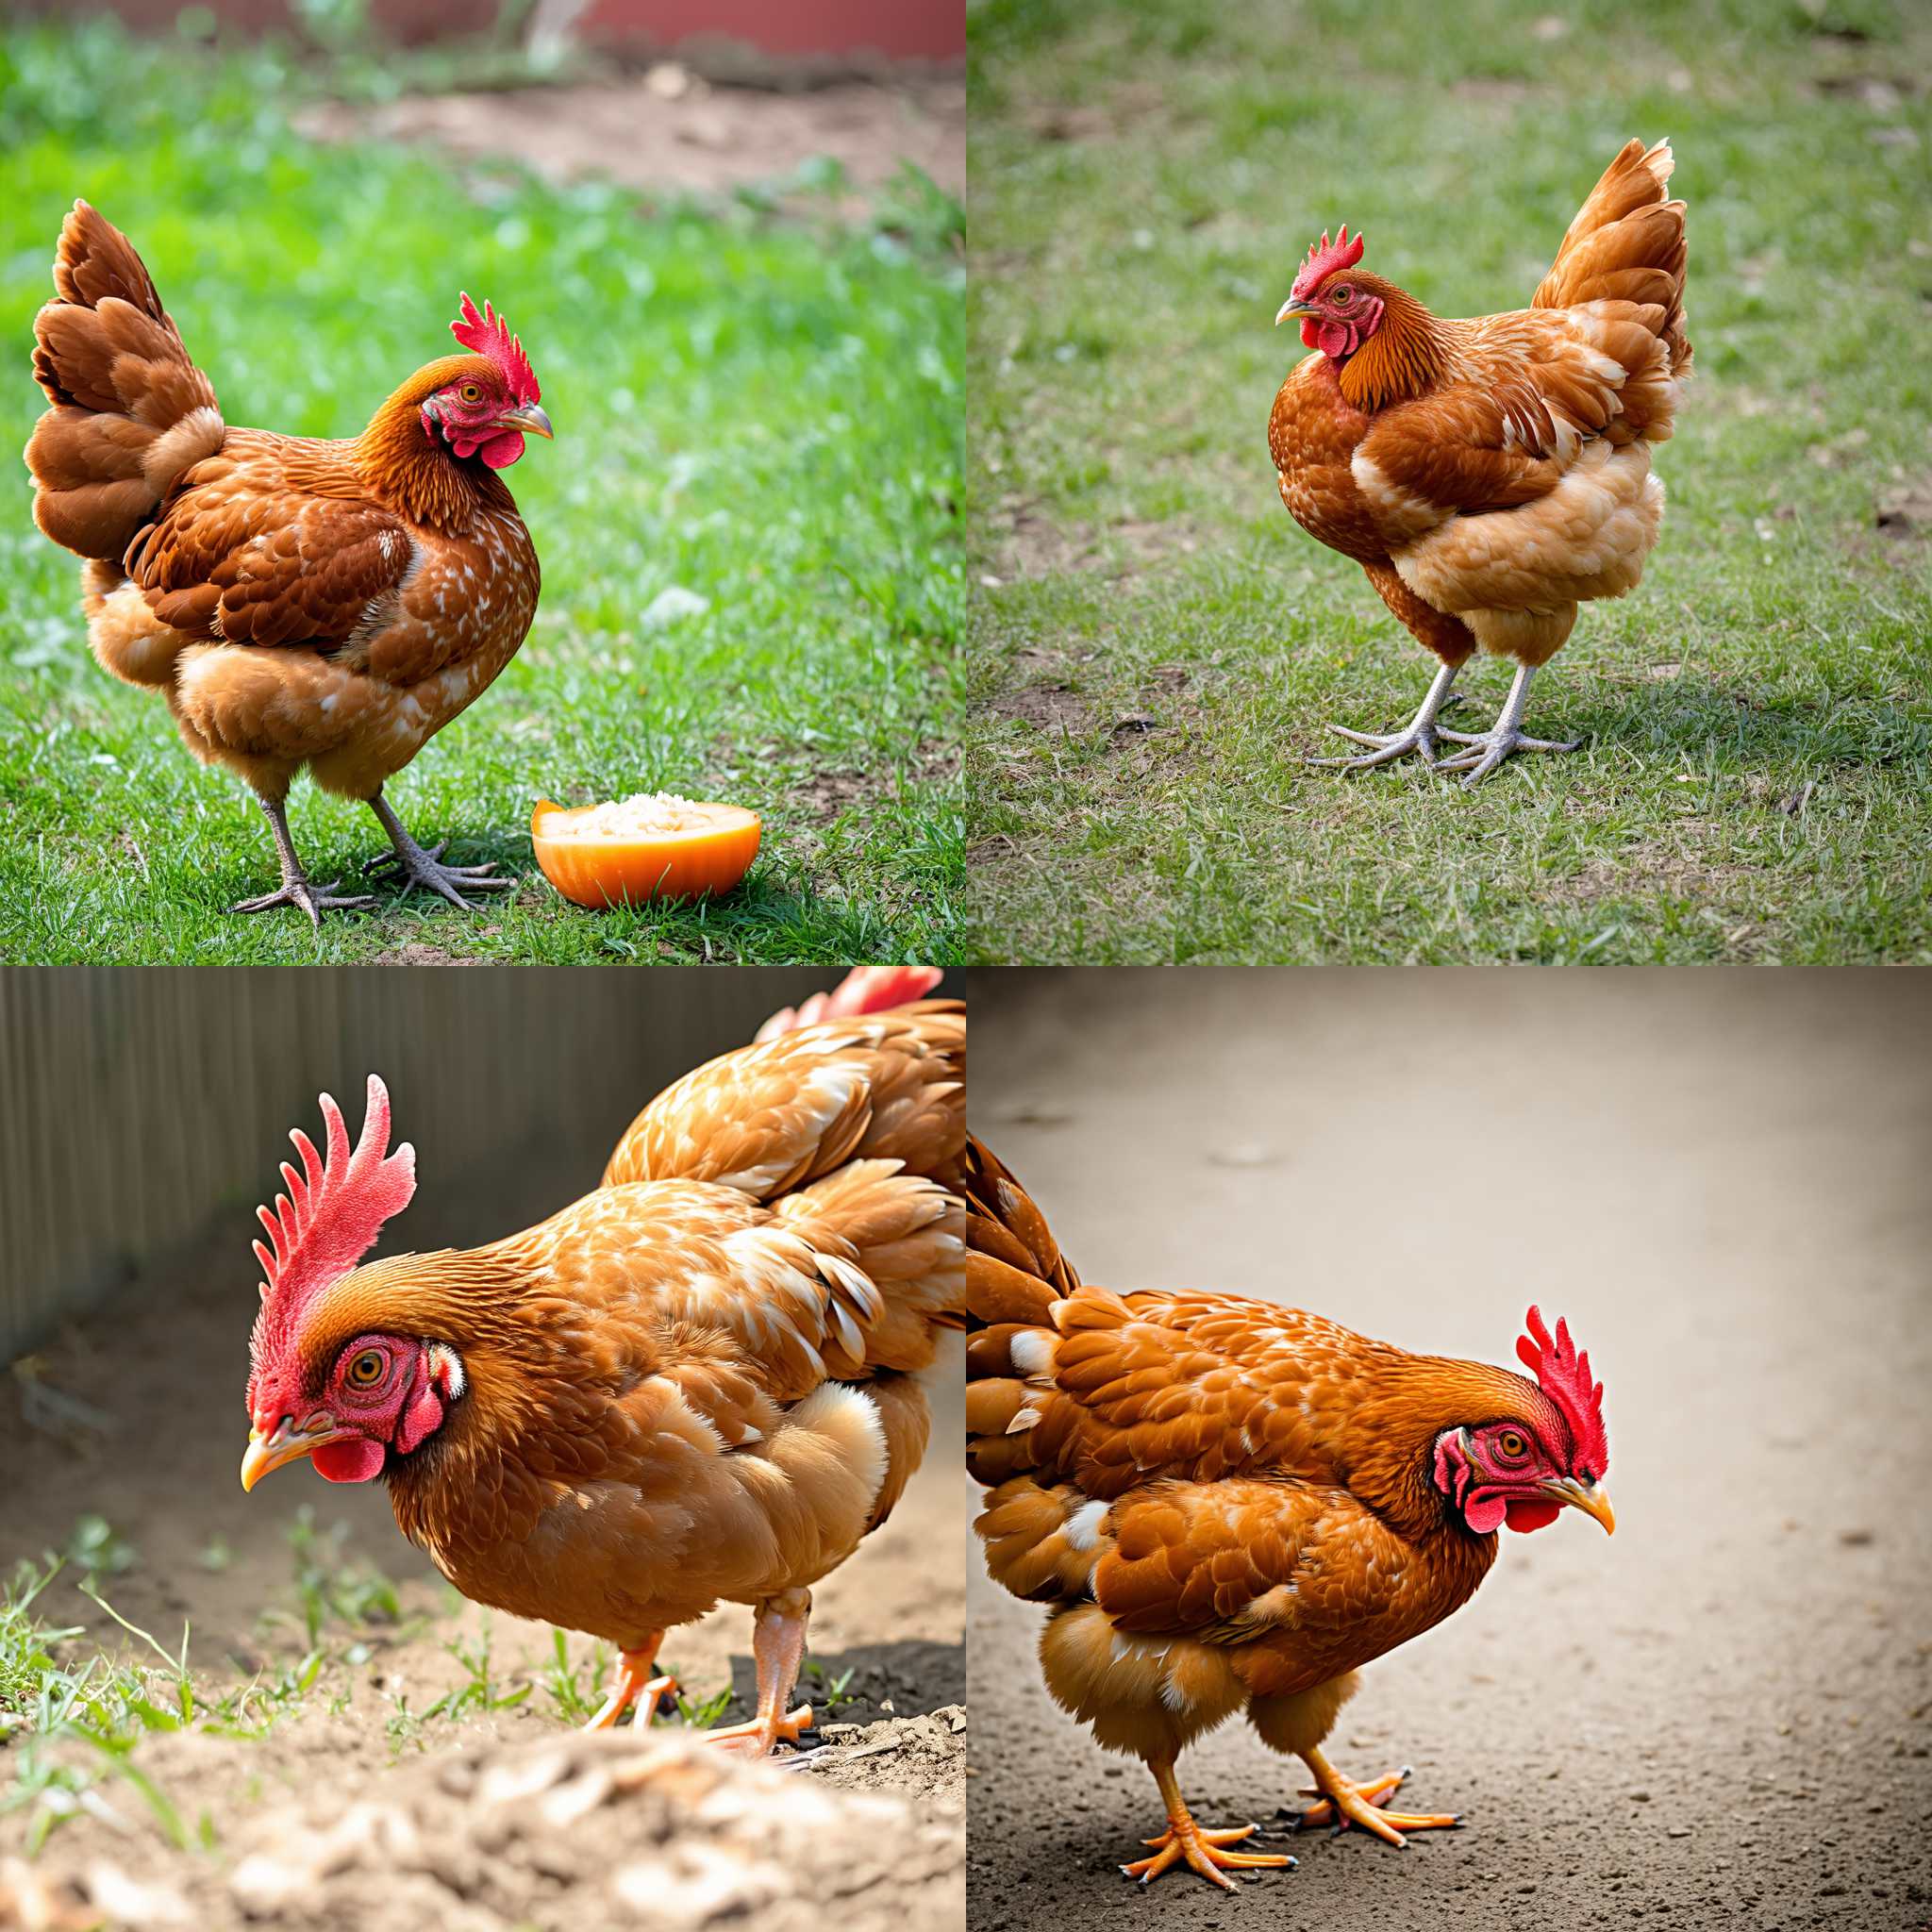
(314, 900)
(1487, 749)
(1419, 738)
(296, 889)
(410, 865)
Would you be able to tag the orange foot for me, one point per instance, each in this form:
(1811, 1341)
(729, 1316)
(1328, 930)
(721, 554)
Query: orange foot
(758, 1738)
(634, 1685)
(1201, 1848)
(1344, 1802)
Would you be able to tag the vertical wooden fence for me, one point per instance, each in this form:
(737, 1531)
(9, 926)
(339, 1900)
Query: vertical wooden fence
(139, 1106)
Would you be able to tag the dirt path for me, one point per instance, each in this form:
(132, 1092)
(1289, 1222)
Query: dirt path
(165, 1371)
(1722, 1716)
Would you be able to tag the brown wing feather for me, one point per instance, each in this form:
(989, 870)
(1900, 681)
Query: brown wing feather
(236, 558)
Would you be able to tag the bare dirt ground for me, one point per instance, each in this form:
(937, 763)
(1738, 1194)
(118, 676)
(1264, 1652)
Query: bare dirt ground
(1722, 1716)
(700, 140)
(356, 1808)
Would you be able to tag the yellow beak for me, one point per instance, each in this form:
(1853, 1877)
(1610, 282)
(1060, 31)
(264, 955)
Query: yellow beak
(1292, 307)
(284, 1444)
(1591, 1498)
(528, 418)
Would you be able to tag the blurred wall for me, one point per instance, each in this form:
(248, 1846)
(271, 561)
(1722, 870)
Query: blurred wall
(144, 1105)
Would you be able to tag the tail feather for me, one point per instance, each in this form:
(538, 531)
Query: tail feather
(1627, 244)
(129, 412)
(1042, 1534)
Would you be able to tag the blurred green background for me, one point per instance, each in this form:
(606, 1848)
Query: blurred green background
(757, 401)
(1157, 646)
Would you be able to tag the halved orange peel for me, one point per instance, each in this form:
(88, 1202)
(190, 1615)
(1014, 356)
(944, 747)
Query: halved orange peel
(626, 852)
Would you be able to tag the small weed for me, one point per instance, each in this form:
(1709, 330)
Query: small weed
(96, 1548)
(701, 1717)
(831, 1690)
(476, 1693)
(46, 1706)
(575, 1705)
(331, 1587)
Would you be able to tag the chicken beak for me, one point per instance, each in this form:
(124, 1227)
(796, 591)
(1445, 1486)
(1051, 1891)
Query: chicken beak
(1588, 1497)
(1293, 306)
(284, 1443)
(530, 419)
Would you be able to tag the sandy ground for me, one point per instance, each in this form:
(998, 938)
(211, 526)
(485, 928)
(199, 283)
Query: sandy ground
(166, 1370)
(673, 130)
(1722, 1716)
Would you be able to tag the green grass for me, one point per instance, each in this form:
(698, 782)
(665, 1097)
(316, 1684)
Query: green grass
(1156, 646)
(763, 411)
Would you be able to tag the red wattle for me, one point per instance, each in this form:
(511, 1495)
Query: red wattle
(1484, 1513)
(1311, 334)
(1530, 1513)
(355, 1459)
(499, 451)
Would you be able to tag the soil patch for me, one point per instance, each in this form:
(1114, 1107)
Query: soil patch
(704, 139)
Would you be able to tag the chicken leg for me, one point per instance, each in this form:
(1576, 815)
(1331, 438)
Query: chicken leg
(1344, 1802)
(296, 889)
(635, 1683)
(410, 865)
(1420, 737)
(1487, 749)
(777, 1647)
(1200, 1847)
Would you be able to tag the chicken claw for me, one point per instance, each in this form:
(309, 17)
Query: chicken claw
(296, 889)
(1199, 1846)
(1420, 737)
(1344, 1802)
(410, 865)
(1487, 749)
(777, 1647)
(314, 900)
(762, 1734)
(635, 1684)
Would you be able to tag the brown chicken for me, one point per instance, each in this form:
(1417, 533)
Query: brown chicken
(699, 1382)
(1491, 475)
(298, 603)
(1230, 1505)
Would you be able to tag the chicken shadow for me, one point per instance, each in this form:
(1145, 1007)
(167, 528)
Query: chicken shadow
(911, 1675)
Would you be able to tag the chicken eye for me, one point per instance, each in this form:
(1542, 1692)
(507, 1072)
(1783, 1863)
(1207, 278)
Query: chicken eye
(470, 393)
(1511, 1446)
(1343, 296)
(367, 1369)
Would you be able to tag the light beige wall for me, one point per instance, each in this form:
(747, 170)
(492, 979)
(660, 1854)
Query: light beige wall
(140, 1106)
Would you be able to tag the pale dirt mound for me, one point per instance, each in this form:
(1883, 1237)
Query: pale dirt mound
(601, 1829)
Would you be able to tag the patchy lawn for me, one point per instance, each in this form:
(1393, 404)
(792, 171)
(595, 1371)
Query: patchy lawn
(1158, 646)
(759, 411)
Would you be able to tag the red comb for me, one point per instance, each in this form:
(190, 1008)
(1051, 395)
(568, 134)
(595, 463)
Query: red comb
(330, 1216)
(488, 335)
(864, 990)
(1324, 257)
(1563, 1375)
